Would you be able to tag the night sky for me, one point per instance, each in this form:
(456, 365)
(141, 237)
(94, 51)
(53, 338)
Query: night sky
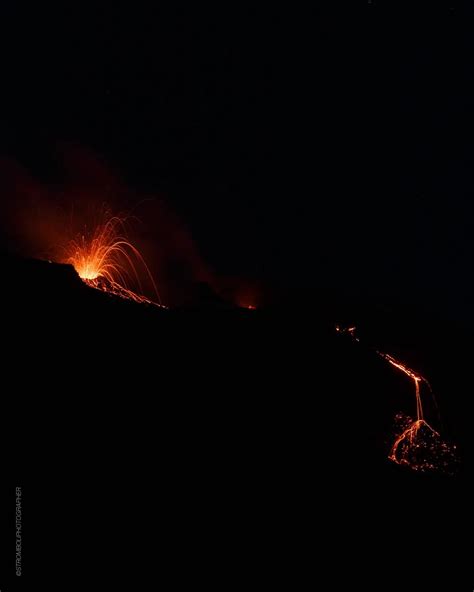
(323, 152)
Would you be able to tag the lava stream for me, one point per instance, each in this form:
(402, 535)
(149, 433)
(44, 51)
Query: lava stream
(417, 445)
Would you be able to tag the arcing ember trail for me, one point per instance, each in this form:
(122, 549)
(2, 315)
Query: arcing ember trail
(106, 260)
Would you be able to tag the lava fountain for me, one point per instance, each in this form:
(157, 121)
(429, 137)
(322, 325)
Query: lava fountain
(106, 260)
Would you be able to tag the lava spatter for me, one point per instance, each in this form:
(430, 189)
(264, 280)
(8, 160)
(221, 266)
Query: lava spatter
(106, 260)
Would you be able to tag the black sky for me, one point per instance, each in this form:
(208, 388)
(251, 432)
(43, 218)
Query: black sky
(324, 151)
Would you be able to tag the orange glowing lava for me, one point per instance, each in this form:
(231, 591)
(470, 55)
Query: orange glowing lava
(106, 260)
(417, 445)
(416, 378)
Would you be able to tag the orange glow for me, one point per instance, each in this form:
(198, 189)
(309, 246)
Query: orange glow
(106, 260)
(417, 444)
(347, 331)
(416, 378)
(421, 448)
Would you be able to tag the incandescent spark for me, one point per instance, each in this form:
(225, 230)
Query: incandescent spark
(106, 260)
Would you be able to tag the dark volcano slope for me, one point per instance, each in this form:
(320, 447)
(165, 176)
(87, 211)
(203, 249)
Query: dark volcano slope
(198, 437)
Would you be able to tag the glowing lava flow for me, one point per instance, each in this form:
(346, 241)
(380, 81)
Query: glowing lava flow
(416, 378)
(414, 434)
(417, 445)
(107, 261)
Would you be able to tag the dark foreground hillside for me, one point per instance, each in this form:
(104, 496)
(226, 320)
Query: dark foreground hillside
(213, 445)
